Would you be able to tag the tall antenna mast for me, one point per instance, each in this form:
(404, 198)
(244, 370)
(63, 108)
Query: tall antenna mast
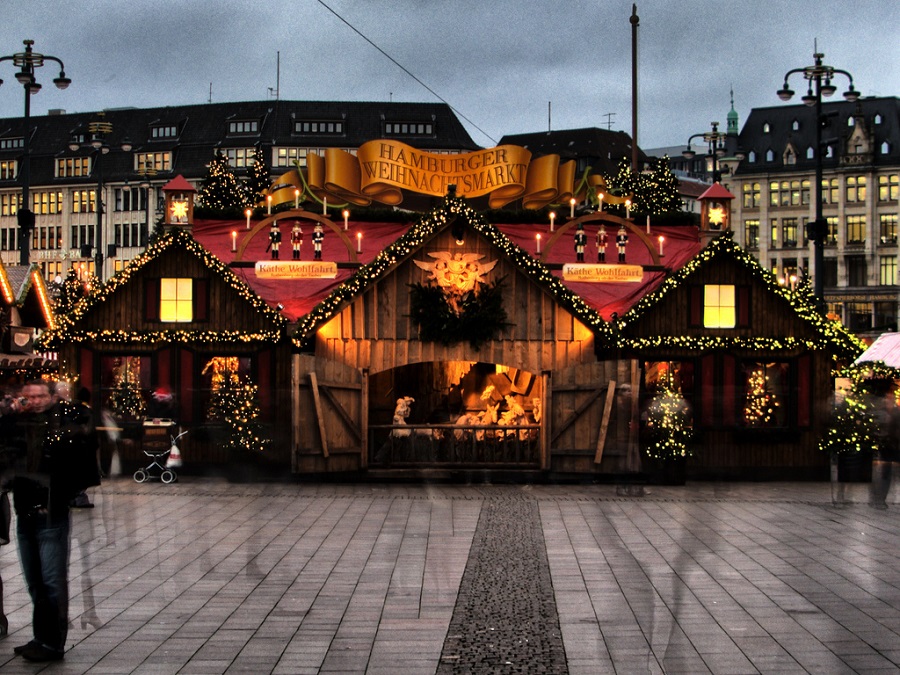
(549, 116)
(210, 93)
(278, 76)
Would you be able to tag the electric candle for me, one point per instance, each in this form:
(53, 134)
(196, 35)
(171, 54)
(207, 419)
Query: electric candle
(538, 237)
(628, 208)
(269, 205)
(661, 240)
(572, 207)
(600, 197)
(359, 242)
(346, 216)
(296, 198)
(325, 206)
(247, 213)
(233, 241)
(552, 219)
(648, 224)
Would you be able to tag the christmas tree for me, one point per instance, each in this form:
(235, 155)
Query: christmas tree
(854, 424)
(259, 180)
(69, 292)
(759, 407)
(655, 192)
(221, 189)
(669, 424)
(235, 402)
(125, 399)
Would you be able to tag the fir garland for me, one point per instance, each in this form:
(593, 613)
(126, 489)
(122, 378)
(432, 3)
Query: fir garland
(480, 318)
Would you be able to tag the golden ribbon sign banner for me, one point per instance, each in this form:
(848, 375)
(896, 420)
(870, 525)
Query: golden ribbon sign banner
(382, 170)
(600, 273)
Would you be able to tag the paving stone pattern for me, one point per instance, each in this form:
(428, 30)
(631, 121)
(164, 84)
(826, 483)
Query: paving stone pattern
(505, 620)
(204, 577)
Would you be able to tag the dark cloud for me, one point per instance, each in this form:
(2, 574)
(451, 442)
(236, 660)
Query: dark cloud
(498, 63)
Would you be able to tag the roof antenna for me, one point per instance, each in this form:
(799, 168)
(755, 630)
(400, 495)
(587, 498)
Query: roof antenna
(549, 117)
(210, 93)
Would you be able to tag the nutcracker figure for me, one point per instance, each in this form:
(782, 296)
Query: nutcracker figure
(274, 239)
(601, 244)
(621, 241)
(318, 237)
(580, 242)
(296, 240)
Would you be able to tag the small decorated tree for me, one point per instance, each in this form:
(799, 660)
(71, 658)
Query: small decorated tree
(259, 179)
(126, 400)
(221, 189)
(235, 403)
(854, 426)
(70, 292)
(669, 424)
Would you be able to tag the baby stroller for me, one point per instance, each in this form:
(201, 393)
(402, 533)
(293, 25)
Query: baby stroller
(162, 448)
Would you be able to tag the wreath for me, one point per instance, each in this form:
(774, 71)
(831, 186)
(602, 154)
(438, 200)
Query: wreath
(480, 317)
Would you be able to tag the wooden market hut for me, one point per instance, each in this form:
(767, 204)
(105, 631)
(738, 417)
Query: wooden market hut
(25, 311)
(753, 358)
(174, 321)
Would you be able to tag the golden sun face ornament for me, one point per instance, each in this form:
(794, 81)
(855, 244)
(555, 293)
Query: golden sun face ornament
(456, 274)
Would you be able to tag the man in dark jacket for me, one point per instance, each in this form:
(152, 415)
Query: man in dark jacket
(56, 459)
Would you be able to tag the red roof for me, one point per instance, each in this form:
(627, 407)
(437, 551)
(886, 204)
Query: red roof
(179, 184)
(299, 296)
(716, 191)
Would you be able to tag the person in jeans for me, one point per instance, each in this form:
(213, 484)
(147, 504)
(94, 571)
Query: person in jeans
(53, 465)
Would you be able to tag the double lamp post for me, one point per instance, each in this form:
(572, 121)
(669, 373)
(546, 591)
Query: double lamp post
(27, 62)
(819, 76)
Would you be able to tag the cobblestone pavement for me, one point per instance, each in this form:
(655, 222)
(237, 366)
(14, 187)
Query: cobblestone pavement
(202, 576)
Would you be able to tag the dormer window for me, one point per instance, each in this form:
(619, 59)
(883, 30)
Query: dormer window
(751, 157)
(795, 125)
(770, 156)
(12, 143)
(163, 131)
(877, 118)
(789, 157)
(319, 127)
(244, 127)
(810, 153)
(408, 128)
(885, 148)
(766, 128)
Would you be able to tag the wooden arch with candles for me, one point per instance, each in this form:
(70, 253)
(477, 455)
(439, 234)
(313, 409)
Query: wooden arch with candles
(604, 217)
(295, 214)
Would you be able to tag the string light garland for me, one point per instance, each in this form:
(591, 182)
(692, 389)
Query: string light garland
(832, 332)
(67, 330)
(452, 208)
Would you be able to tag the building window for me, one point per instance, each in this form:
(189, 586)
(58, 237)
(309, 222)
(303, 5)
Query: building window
(70, 167)
(12, 143)
(810, 153)
(856, 229)
(47, 203)
(240, 158)
(856, 270)
(790, 157)
(131, 234)
(766, 128)
(408, 129)
(160, 161)
(130, 199)
(167, 131)
(290, 157)
(831, 230)
(886, 315)
(770, 155)
(804, 192)
(795, 125)
(859, 316)
(856, 188)
(176, 300)
(751, 195)
(789, 232)
(244, 127)
(47, 237)
(320, 127)
(766, 395)
(9, 204)
(83, 201)
(8, 239)
(751, 157)
(719, 306)
(751, 233)
(81, 236)
(830, 273)
(888, 188)
(887, 270)
(8, 169)
(887, 228)
(773, 232)
(831, 191)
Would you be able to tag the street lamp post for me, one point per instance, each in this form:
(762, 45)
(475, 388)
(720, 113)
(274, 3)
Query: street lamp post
(146, 172)
(99, 130)
(819, 75)
(27, 61)
(715, 140)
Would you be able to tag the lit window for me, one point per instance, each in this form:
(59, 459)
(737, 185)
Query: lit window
(176, 300)
(719, 306)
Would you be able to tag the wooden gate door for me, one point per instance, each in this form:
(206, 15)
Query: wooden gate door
(329, 416)
(594, 418)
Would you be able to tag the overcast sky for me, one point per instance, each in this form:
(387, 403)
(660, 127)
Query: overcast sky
(501, 64)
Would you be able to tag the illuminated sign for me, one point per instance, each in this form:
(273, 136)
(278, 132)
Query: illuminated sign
(295, 269)
(383, 170)
(602, 273)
